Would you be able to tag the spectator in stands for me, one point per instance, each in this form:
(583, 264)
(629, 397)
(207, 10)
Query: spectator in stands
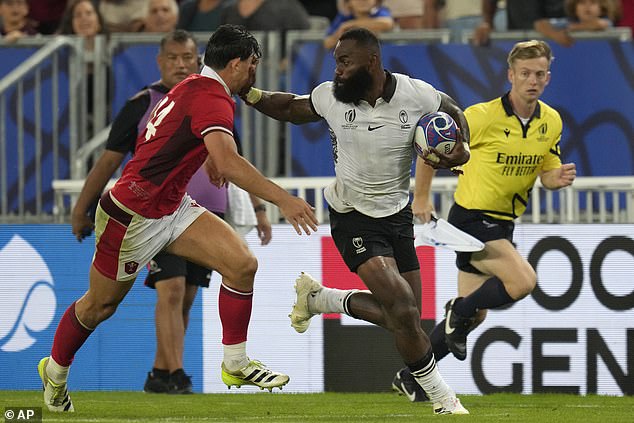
(409, 14)
(582, 15)
(15, 22)
(162, 16)
(123, 15)
(266, 15)
(521, 15)
(81, 18)
(459, 16)
(47, 14)
(200, 15)
(360, 13)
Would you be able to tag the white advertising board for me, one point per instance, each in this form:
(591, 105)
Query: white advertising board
(575, 333)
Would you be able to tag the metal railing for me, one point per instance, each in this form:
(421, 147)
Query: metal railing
(622, 34)
(38, 154)
(613, 196)
(33, 92)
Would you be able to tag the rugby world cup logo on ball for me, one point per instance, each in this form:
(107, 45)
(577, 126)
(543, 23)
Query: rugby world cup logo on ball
(437, 130)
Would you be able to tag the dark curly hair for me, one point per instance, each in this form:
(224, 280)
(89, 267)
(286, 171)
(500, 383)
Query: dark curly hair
(229, 42)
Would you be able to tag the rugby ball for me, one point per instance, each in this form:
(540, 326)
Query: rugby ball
(437, 130)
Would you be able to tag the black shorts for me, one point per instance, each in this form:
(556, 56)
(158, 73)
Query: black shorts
(165, 266)
(359, 238)
(481, 226)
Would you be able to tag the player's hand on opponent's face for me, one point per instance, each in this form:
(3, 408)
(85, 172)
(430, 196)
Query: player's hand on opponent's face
(568, 173)
(82, 226)
(456, 157)
(300, 214)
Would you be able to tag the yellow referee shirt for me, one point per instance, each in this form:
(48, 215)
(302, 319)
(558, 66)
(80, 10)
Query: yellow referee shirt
(507, 157)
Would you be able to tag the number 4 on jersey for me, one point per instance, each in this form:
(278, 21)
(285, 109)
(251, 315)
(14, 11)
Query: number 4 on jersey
(158, 114)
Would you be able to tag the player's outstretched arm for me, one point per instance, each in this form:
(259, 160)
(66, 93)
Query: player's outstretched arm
(286, 107)
(227, 164)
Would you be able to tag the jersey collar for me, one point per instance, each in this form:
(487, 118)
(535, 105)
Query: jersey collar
(508, 108)
(157, 86)
(389, 87)
(210, 73)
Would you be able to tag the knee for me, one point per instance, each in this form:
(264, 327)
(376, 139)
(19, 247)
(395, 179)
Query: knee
(244, 269)
(170, 292)
(404, 316)
(187, 306)
(91, 312)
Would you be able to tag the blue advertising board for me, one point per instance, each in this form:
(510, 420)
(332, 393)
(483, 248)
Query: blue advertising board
(43, 269)
(592, 87)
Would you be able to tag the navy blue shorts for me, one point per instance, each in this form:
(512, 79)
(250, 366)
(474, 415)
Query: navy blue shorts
(165, 266)
(359, 238)
(481, 226)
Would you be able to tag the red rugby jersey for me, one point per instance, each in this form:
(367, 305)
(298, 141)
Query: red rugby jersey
(171, 148)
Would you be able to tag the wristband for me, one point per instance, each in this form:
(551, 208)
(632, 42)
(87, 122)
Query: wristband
(259, 208)
(253, 96)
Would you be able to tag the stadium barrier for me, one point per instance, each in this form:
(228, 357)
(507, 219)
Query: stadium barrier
(40, 127)
(588, 200)
(48, 136)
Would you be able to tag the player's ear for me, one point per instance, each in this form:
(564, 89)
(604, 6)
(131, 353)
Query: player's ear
(374, 60)
(234, 64)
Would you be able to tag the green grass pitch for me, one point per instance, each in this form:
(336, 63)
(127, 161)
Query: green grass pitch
(121, 407)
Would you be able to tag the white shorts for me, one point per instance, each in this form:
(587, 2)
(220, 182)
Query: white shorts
(126, 241)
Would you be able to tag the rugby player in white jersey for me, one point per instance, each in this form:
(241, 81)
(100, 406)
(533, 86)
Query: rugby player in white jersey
(372, 114)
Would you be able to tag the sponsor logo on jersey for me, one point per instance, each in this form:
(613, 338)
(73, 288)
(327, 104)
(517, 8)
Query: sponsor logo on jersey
(350, 116)
(404, 118)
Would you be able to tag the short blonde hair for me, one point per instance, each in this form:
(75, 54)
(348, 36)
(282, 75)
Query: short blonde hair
(532, 49)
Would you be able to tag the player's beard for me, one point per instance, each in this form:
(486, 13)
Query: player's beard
(354, 88)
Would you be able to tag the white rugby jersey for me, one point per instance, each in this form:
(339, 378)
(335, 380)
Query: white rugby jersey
(372, 146)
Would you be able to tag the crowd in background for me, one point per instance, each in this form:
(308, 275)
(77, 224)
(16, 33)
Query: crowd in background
(555, 19)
